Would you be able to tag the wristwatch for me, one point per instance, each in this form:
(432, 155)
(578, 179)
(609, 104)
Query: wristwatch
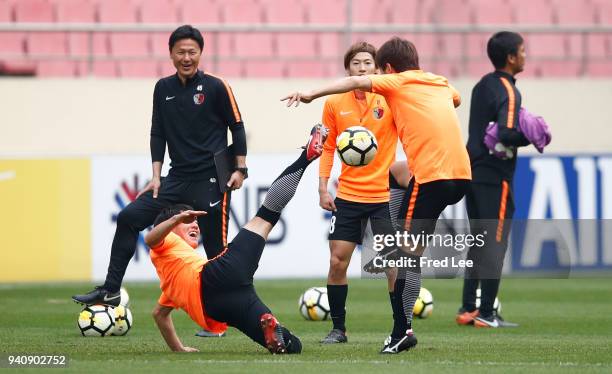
(244, 171)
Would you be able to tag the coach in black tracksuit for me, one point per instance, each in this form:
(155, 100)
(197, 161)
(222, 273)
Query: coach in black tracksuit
(490, 203)
(192, 112)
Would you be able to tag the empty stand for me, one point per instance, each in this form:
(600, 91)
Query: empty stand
(297, 44)
(117, 11)
(34, 11)
(159, 11)
(326, 11)
(46, 44)
(290, 12)
(82, 11)
(241, 11)
(129, 44)
(199, 12)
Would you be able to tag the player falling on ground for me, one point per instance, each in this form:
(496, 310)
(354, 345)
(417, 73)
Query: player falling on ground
(423, 107)
(220, 291)
(363, 192)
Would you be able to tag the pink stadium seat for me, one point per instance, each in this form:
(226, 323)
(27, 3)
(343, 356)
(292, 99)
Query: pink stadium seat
(117, 11)
(307, 69)
(56, 69)
(427, 44)
(447, 69)
(254, 44)
(78, 44)
(604, 12)
(158, 11)
(409, 11)
(492, 12)
(47, 44)
(561, 69)
(546, 45)
(26, 68)
(105, 69)
(75, 11)
(12, 44)
(265, 69)
(287, 12)
(574, 12)
(129, 44)
(138, 69)
(376, 39)
(159, 43)
(599, 69)
(165, 68)
(372, 11)
(297, 44)
(534, 12)
(330, 45)
(451, 45)
(241, 11)
(477, 44)
(599, 45)
(199, 12)
(34, 11)
(229, 69)
(6, 11)
(326, 11)
(478, 68)
(453, 12)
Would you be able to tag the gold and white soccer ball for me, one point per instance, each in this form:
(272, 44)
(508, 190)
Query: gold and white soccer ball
(96, 320)
(356, 146)
(314, 305)
(123, 320)
(125, 297)
(423, 307)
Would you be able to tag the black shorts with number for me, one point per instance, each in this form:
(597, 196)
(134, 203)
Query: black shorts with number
(349, 220)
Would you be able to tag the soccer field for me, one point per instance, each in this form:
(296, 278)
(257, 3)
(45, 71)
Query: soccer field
(566, 326)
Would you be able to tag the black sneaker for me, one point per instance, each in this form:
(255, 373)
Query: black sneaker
(385, 254)
(397, 345)
(494, 321)
(335, 336)
(209, 334)
(99, 295)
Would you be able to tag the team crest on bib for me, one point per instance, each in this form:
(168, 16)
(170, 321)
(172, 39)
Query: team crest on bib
(378, 112)
(198, 98)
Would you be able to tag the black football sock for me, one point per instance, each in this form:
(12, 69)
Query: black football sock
(400, 324)
(336, 295)
(282, 190)
(488, 293)
(469, 294)
(397, 313)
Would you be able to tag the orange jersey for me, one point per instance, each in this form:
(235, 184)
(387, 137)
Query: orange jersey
(427, 124)
(179, 267)
(370, 183)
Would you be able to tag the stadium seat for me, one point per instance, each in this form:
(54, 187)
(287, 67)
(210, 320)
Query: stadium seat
(603, 12)
(199, 12)
(560, 69)
(66, 69)
(599, 45)
(47, 44)
(75, 11)
(6, 12)
(535, 12)
(376, 39)
(297, 44)
(12, 43)
(308, 69)
(78, 44)
(17, 68)
(117, 11)
(574, 12)
(129, 44)
(427, 44)
(330, 45)
(265, 69)
(452, 44)
(165, 68)
(254, 44)
(284, 12)
(546, 45)
(478, 68)
(34, 11)
(372, 11)
(599, 69)
(138, 69)
(228, 69)
(452, 12)
(492, 12)
(477, 44)
(409, 11)
(326, 11)
(448, 69)
(158, 11)
(104, 69)
(241, 11)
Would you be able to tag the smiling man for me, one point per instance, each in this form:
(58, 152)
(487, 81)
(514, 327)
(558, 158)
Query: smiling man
(192, 112)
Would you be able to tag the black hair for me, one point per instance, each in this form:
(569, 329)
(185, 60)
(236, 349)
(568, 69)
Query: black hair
(170, 212)
(357, 48)
(501, 45)
(186, 32)
(400, 53)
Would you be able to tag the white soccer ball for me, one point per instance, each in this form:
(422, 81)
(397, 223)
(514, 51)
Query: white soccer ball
(356, 146)
(314, 305)
(125, 297)
(123, 320)
(496, 304)
(96, 320)
(423, 307)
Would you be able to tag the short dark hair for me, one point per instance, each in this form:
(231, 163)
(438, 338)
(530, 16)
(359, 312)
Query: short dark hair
(502, 44)
(400, 53)
(186, 32)
(170, 212)
(358, 48)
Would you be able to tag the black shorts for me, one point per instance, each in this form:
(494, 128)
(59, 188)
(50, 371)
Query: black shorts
(423, 203)
(349, 220)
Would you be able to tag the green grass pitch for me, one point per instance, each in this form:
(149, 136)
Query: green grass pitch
(566, 326)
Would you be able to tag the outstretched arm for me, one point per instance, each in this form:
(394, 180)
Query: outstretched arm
(161, 315)
(157, 235)
(342, 85)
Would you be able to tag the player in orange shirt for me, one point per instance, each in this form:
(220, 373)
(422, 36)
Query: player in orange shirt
(363, 192)
(220, 291)
(423, 107)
